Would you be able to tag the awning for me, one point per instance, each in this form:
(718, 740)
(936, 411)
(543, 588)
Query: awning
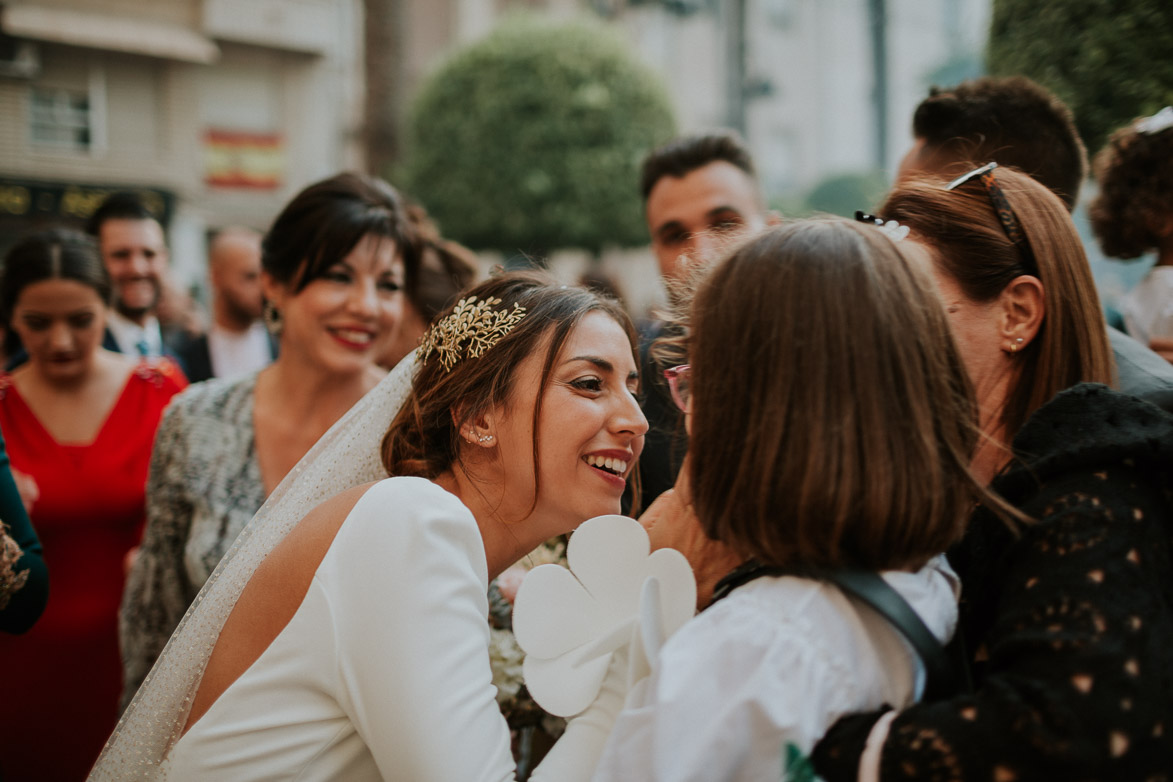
(107, 31)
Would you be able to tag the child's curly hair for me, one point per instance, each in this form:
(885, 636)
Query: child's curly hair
(1135, 174)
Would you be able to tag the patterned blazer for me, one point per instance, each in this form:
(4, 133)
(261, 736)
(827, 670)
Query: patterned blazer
(203, 487)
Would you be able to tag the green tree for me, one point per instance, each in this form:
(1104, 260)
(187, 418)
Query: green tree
(1110, 60)
(531, 140)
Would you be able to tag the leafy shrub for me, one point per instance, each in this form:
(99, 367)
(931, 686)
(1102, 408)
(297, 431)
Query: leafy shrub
(531, 140)
(1108, 59)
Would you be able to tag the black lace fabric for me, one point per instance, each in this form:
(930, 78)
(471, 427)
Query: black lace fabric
(1069, 623)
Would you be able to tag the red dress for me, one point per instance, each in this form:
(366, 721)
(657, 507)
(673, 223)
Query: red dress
(61, 680)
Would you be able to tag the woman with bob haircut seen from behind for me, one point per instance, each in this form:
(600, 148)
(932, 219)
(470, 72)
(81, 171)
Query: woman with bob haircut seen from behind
(831, 428)
(346, 639)
(1067, 616)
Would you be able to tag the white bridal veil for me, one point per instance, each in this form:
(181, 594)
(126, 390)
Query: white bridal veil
(346, 456)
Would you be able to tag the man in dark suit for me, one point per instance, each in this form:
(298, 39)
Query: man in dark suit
(134, 250)
(236, 342)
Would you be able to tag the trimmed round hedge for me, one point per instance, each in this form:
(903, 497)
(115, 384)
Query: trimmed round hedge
(531, 140)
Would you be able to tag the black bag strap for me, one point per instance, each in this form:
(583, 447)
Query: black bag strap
(941, 680)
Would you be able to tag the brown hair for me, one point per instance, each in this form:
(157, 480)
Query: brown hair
(53, 254)
(680, 157)
(424, 438)
(445, 268)
(1011, 120)
(1135, 174)
(833, 422)
(971, 246)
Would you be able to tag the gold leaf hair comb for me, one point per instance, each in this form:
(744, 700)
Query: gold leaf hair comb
(469, 330)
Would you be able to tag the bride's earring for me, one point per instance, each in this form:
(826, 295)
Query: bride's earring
(479, 439)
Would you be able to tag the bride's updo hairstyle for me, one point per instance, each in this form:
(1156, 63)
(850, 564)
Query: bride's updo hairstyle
(832, 419)
(424, 438)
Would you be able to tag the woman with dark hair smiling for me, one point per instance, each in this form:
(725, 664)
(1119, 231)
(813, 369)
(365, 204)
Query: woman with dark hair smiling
(332, 268)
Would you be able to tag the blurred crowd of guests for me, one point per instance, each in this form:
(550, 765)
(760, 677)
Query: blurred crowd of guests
(142, 435)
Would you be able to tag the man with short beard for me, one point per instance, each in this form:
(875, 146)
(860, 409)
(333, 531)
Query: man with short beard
(700, 193)
(134, 251)
(236, 342)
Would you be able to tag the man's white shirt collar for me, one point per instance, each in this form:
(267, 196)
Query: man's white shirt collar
(131, 337)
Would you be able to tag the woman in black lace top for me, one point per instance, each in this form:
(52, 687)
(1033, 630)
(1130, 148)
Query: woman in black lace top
(1068, 620)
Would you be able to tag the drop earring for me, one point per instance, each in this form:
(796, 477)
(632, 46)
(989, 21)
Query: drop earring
(272, 319)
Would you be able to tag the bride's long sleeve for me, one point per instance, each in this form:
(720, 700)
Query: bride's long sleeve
(409, 603)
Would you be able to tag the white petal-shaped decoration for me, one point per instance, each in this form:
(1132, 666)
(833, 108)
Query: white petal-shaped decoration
(677, 590)
(606, 554)
(569, 622)
(561, 688)
(552, 613)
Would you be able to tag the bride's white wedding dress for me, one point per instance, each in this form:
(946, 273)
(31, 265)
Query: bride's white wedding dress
(383, 672)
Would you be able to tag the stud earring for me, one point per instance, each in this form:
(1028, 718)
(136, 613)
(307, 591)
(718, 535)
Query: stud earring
(487, 438)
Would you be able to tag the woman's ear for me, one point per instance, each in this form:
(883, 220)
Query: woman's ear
(1022, 311)
(476, 430)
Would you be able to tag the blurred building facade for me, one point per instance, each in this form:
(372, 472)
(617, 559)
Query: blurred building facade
(800, 78)
(219, 110)
(819, 88)
(216, 110)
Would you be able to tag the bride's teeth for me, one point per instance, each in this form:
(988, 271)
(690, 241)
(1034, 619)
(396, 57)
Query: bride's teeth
(614, 465)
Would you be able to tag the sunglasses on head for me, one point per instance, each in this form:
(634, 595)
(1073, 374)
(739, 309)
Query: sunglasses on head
(1006, 217)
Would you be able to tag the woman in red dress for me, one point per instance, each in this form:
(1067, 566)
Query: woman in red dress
(79, 422)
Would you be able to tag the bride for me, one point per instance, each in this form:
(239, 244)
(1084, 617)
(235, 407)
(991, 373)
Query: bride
(349, 641)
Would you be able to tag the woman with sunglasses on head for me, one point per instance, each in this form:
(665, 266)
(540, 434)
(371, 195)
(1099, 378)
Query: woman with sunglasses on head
(332, 268)
(808, 344)
(347, 640)
(1067, 618)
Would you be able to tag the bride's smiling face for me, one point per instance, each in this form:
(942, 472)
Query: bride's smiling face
(590, 428)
